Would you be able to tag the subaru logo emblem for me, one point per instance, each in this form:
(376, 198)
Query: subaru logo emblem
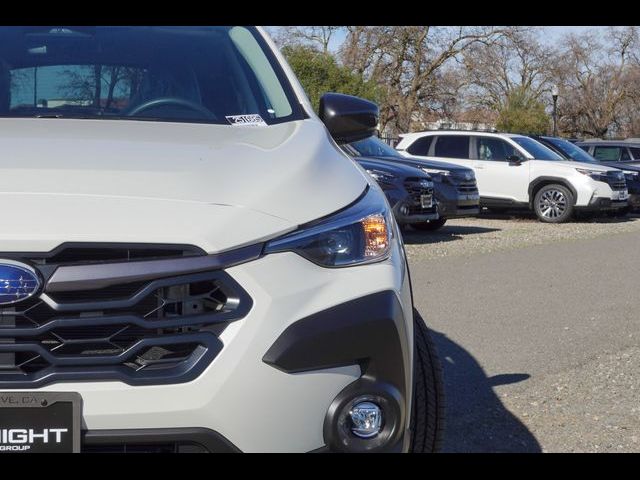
(18, 282)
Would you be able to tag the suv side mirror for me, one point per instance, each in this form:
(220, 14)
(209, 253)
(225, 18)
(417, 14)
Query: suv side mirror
(348, 118)
(514, 160)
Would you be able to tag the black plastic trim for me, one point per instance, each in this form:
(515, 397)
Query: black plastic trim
(210, 440)
(545, 179)
(370, 332)
(95, 276)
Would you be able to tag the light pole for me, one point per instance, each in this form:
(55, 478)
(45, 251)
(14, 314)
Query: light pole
(554, 95)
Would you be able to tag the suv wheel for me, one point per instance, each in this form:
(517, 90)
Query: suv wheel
(427, 406)
(553, 204)
(430, 225)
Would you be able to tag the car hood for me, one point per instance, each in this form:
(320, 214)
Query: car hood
(630, 167)
(587, 166)
(399, 169)
(427, 163)
(214, 186)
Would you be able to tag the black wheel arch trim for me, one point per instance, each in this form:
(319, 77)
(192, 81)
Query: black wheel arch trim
(370, 332)
(546, 179)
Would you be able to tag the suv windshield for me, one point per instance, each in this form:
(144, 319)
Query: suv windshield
(570, 150)
(373, 147)
(224, 75)
(537, 150)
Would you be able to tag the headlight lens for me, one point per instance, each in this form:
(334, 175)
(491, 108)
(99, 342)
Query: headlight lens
(435, 174)
(381, 177)
(631, 176)
(595, 174)
(362, 233)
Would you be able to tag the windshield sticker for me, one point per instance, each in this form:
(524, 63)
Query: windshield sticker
(253, 120)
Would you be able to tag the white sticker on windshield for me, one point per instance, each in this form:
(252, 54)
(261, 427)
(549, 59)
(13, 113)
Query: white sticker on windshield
(253, 120)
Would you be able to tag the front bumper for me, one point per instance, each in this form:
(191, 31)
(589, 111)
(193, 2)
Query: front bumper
(257, 402)
(452, 204)
(602, 204)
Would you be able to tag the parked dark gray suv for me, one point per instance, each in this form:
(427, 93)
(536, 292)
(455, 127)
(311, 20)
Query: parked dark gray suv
(456, 191)
(409, 190)
(627, 151)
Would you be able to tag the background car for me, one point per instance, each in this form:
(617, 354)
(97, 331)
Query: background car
(455, 187)
(627, 151)
(569, 151)
(409, 191)
(515, 171)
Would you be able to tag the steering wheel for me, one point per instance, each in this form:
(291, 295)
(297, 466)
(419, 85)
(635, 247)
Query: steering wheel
(181, 102)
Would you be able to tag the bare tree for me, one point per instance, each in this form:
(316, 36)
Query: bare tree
(318, 37)
(596, 81)
(407, 62)
(516, 63)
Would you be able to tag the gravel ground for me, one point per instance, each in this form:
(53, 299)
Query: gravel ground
(590, 408)
(490, 233)
(537, 328)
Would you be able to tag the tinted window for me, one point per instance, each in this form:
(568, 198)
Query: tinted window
(452, 146)
(373, 147)
(625, 157)
(635, 151)
(536, 149)
(420, 146)
(572, 151)
(607, 154)
(492, 148)
(223, 75)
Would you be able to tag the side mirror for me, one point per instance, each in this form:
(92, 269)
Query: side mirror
(514, 160)
(348, 118)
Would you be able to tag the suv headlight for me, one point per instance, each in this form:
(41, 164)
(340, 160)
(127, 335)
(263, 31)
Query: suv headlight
(361, 233)
(631, 176)
(381, 177)
(435, 174)
(595, 174)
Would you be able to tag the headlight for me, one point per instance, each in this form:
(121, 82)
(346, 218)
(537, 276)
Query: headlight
(435, 174)
(359, 234)
(381, 176)
(595, 174)
(631, 176)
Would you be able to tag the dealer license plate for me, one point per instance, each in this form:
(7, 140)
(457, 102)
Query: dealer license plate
(40, 422)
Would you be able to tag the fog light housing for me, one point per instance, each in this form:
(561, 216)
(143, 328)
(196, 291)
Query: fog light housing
(366, 419)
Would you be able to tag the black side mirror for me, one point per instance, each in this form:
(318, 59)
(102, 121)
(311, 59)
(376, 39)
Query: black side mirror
(348, 118)
(514, 160)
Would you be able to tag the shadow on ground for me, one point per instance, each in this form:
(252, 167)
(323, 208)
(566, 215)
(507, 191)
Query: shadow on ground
(578, 218)
(476, 420)
(448, 233)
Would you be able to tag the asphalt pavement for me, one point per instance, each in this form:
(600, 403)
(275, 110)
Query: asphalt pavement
(538, 337)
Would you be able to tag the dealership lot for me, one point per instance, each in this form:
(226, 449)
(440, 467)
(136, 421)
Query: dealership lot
(537, 329)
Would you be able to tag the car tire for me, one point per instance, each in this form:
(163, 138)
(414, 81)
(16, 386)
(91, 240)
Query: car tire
(430, 225)
(427, 406)
(553, 204)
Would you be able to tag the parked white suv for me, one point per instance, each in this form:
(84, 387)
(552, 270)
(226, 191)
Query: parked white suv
(515, 171)
(188, 260)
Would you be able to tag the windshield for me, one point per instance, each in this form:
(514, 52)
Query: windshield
(537, 150)
(572, 151)
(224, 75)
(373, 147)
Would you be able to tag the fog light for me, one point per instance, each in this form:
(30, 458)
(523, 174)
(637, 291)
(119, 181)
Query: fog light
(404, 210)
(366, 419)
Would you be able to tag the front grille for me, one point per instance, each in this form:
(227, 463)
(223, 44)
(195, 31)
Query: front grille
(415, 186)
(160, 330)
(615, 181)
(467, 187)
(169, 447)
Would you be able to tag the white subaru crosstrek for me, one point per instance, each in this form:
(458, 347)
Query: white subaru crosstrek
(189, 262)
(516, 171)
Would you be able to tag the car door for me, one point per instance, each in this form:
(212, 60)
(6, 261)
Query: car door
(499, 176)
(451, 149)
